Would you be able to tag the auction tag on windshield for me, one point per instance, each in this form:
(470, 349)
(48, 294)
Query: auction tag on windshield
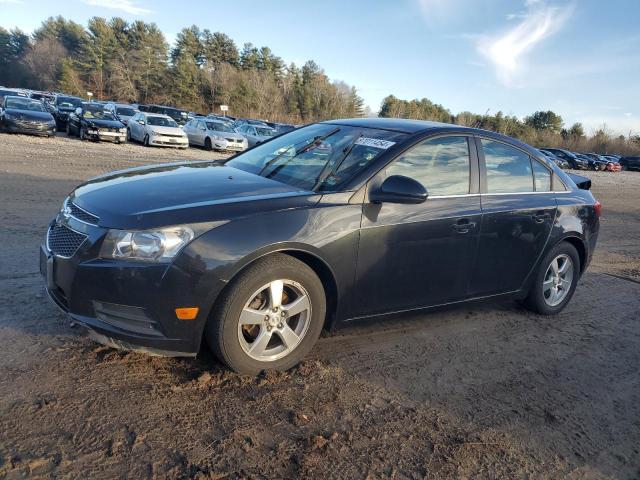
(375, 142)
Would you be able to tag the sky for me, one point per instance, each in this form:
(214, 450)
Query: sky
(579, 58)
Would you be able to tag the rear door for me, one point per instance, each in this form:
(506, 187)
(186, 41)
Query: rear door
(518, 211)
(412, 256)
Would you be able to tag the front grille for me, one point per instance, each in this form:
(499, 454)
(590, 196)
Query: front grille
(170, 135)
(64, 242)
(234, 140)
(30, 124)
(81, 214)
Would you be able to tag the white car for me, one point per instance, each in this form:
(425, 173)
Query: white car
(153, 129)
(122, 111)
(210, 134)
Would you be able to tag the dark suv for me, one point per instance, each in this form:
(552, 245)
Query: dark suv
(630, 163)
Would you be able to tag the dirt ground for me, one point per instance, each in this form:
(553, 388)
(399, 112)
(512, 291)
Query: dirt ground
(478, 391)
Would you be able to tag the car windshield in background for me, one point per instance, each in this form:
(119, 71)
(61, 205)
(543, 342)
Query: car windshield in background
(318, 157)
(219, 127)
(98, 114)
(127, 112)
(265, 132)
(24, 104)
(68, 102)
(161, 122)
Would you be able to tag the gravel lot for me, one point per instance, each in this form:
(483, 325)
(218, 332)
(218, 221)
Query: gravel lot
(481, 391)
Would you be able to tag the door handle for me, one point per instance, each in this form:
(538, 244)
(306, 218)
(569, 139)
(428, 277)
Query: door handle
(464, 225)
(540, 217)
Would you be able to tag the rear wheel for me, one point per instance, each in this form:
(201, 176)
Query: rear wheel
(555, 281)
(270, 317)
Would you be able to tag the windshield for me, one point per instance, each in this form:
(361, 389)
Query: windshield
(219, 127)
(24, 104)
(98, 114)
(265, 132)
(161, 122)
(320, 156)
(125, 111)
(68, 102)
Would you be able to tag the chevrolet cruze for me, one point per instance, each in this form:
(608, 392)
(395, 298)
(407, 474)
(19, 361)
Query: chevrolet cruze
(333, 222)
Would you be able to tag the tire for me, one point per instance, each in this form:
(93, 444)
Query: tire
(128, 135)
(81, 134)
(540, 298)
(207, 144)
(145, 142)
(231, 342)
(68, 130)
(623, 167)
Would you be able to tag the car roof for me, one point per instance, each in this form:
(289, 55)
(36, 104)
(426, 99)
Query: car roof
(395, 124)
(160, 115)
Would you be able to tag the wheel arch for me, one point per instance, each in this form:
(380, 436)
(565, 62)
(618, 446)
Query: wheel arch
(579, 244)
(310, 258)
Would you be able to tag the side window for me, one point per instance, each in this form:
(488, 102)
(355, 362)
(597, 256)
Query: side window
(541, 176)
(440, 164)
(508, 169)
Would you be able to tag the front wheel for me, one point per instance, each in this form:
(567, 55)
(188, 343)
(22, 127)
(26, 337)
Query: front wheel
(555, 281)
(145, 142)
(128, 135)
(81, 135)
(207, 144)
(270, 316)
(68, 130)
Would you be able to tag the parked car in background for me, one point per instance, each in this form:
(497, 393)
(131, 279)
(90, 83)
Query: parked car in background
(43, 96)
(61, 107)
(255, 133)
(154, 129)
(257, 255)
(25, 115)
(569, 157)
(91, 121)
(596, 162)
(630, 163)
(558, 161)
(179, 116)
(211, 134)
(123, 111)
(13, 92)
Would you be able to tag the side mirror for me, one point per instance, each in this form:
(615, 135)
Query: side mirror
(399, 189)
(141, 122)
(78, 111)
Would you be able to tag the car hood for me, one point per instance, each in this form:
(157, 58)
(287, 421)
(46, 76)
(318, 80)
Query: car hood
(235, 136)
(167, 130)
(182, 193)
(102, 123)
(28, 115)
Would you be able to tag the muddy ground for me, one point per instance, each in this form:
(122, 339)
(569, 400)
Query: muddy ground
(480, 391)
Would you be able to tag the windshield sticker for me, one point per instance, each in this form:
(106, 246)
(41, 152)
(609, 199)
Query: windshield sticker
(375, 142)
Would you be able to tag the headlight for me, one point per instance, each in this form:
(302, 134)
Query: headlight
(153, 133)
(123, 130)
(146, 245)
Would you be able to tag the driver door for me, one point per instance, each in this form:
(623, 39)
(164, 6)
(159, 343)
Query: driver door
(414, 256)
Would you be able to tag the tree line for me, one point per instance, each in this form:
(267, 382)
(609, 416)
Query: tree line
(540, 129)
(132, 62)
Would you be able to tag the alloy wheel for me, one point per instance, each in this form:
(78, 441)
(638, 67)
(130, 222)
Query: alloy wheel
(274, 320)
(557, 280)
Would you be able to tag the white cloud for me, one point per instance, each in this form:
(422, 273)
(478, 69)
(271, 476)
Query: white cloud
(507, 50)
(128, 6)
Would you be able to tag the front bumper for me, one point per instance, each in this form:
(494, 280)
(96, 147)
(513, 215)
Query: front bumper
(228, 145)
(17, 126)
(128, 305)
(165, 141)
(107, 136)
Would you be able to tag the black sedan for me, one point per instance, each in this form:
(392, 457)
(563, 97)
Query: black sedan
(61, 107)
(630, 163)
(329, 223)
(569, 157)
(92, 121)
(24, 115)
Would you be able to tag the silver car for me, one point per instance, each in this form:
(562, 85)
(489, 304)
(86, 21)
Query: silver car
(123, 111)
(255, 133)
(211, 134)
